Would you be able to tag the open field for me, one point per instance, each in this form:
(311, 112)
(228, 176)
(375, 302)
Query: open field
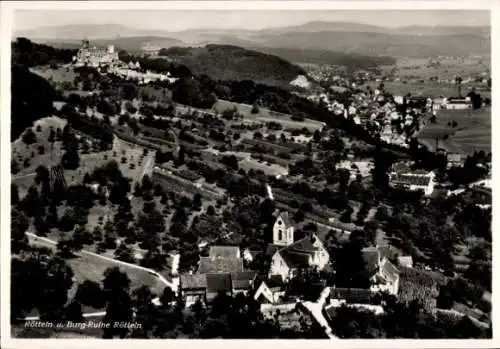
(21, 151)
(426, 89)
(265, 115)
(132, 153)
(443, 68)
(58, 75)
(473, 132)
(90, 267)
(268, 169)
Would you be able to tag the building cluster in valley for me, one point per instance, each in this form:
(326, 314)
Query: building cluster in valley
(226, 270)
(106, 60)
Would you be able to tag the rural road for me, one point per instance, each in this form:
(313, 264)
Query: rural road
(24, 176)
(316, 311)
(172, 285)
(87, 315)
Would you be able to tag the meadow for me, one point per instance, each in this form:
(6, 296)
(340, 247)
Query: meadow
(472, 133)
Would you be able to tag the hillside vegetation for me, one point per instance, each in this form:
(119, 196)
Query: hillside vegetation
(225, 62)
(32, 96)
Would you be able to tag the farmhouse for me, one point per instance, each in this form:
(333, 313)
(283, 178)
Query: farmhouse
(290, 256)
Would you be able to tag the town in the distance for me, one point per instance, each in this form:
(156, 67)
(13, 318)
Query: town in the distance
(232, 190)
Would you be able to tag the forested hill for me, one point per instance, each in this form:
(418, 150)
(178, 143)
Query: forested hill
(227, 62)
(31, 95)
(30, 54)
(32, 98)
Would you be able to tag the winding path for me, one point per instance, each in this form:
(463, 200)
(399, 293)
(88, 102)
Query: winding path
(170, 284)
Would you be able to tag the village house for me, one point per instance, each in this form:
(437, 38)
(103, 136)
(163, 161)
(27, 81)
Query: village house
(384, 275)
(290, 255)
(205, 287)
(269, 289)
(454, 160)
(457, 103)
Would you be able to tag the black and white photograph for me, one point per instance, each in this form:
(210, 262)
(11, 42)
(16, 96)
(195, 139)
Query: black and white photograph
(264, 173)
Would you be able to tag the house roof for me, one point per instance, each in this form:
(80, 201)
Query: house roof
(285, 217)
(188, 281)
(389, 271)
(273, 282)
(271, 249)
(371, 256)
(454, 157)
(242, 279)
(405, 261)
(401, 167)
(297, 254)
(219, 282)
(405, 179)
(219, 265)
(351, 295)
(224, 251)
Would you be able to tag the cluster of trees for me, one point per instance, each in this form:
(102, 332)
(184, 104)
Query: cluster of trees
(225, 62)
(31, 99)
(30, 54)
(401, 321)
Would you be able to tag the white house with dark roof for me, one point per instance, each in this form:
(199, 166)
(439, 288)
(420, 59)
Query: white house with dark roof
(269, 289)
(384, 275)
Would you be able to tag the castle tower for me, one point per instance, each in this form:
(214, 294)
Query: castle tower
(85, 44)
(283, 234)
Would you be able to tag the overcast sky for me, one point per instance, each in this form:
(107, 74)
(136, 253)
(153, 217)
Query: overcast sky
(178, 20)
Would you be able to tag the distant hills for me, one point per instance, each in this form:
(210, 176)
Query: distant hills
(227, 62)
(316, 37)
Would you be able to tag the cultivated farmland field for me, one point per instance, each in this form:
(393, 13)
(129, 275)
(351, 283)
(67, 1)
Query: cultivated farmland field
(473, 132)
(265, 115)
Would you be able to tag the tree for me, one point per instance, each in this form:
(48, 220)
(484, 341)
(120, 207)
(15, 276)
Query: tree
(115, 282)
(197, 202)
(351, 270)
(29, 137)
(40, 281)
(14, 194)
(90, 293)
(124, 253)
(167, 296)
(73, 312)
(70, 159)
